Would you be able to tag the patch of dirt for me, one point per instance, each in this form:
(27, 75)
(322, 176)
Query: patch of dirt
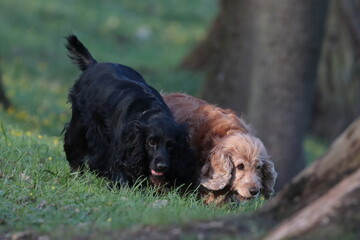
(24, 235)
(230, 228)
(234, 227)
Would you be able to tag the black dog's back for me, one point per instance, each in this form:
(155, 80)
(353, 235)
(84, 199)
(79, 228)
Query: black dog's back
(104, 73)
(112, 86)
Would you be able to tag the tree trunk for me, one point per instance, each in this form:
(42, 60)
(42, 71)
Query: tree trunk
(337, 208)
(323, 199)
(337, 101)
(3, 99)
(342, 159)
(286, 57)
(226, 55)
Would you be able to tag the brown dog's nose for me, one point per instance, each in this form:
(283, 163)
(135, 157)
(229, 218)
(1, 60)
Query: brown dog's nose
(253, 191)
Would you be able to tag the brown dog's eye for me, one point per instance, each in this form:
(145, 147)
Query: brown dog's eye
(240, 166)
(152, 142)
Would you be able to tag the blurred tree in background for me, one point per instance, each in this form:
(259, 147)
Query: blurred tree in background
(226, 55)
(285, 61)
(261, 59)
(337, 101)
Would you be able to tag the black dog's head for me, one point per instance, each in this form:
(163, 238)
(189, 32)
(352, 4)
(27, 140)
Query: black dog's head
(162, 146)
(162, 139)
(170, 157)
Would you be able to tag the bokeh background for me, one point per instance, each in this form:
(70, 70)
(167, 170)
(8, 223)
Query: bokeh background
(152, 37)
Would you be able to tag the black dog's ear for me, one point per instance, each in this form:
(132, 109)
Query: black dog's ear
(132, 150)
(185, 168)
(79, 53)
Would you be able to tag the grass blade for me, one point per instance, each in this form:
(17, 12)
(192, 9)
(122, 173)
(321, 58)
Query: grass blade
(4, 133)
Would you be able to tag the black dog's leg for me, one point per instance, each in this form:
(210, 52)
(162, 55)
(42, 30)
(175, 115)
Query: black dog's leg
(75, 145)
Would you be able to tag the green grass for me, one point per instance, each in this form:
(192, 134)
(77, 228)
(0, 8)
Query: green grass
(38, 192)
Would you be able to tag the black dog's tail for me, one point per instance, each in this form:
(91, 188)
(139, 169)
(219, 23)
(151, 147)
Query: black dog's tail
(79, 53)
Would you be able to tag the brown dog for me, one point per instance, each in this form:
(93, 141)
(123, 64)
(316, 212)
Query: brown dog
(234, 163)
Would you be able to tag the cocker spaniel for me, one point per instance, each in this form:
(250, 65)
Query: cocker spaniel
(234, 163)
(121, 127)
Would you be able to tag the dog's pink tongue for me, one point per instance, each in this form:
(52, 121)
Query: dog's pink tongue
(156, 173)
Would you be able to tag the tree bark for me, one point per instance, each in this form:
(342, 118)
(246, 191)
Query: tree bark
(4, 101)
(341, 160)
(338, 81)
(226, 54)
(286, 57)
(338, 205)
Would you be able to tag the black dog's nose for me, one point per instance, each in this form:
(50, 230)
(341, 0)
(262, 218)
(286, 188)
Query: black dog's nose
(253, 191)
(162, 166)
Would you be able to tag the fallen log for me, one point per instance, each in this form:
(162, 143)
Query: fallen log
(341, 160)
(339, 207)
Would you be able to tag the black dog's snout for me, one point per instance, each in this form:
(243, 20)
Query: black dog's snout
(254, 191)
(161, 166)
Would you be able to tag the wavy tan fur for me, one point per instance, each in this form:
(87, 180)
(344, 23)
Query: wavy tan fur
(230, 155)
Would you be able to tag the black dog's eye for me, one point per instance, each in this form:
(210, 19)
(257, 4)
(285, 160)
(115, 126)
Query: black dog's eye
(240, 166)
(258, 167)
(170, 146)
(152, 142)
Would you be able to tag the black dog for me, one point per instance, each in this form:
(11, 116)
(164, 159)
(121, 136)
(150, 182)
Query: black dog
(121, 127)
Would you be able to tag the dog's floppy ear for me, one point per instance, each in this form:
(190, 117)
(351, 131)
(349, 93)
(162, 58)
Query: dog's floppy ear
(184, 165)
(268, 178)
(216, 173)
(132, 149)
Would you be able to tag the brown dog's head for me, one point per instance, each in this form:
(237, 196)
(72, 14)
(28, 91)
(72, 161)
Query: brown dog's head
(240, 162)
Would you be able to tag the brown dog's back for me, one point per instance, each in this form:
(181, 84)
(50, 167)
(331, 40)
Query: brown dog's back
(182, 105)
(205, 121)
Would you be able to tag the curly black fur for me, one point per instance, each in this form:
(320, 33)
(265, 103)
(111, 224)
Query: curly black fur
(121, 127)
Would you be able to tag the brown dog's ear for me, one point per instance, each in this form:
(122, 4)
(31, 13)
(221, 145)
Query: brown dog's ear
(216, 173)
(268, 178)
